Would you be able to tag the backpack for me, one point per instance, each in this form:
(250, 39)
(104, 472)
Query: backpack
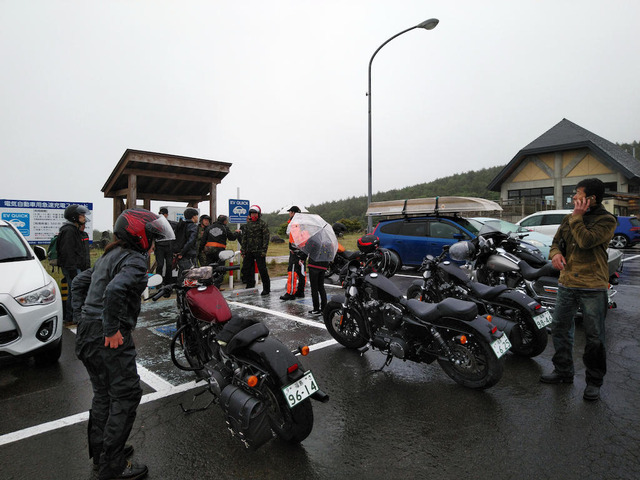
(180, 231)
(52, 252)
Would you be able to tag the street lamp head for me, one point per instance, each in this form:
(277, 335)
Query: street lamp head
(428, 24)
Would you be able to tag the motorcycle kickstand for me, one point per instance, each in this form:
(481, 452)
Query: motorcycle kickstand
(195, 396)
(387, 362)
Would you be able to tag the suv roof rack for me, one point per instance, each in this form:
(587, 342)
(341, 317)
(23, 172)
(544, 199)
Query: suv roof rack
(432, 205)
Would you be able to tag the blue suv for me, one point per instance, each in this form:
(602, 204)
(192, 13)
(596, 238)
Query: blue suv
(415, 237)
(627, 232)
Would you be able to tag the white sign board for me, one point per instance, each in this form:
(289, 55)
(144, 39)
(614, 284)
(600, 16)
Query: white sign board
(39, 220)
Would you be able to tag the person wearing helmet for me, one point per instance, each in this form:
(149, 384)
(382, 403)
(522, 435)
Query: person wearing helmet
(72, 247)
(255, 242)
(215, 239)
(203, 224)
(106, 304)
(297, 264)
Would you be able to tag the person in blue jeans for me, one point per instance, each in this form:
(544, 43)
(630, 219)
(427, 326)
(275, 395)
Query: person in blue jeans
(579, 251)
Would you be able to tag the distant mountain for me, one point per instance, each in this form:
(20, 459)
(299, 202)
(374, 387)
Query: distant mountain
(468, 184)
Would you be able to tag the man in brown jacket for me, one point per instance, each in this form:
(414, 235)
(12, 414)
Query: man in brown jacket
(579, 251)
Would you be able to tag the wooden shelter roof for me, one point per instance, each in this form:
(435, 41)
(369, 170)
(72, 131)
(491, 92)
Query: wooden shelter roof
(166, 177)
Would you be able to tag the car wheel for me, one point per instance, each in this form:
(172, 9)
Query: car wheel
(619, 241)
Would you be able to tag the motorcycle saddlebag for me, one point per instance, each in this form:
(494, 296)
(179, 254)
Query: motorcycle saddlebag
(246, 417)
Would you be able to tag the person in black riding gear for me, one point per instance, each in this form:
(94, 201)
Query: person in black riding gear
(215, 239)
(187, 256)
(106, 302)
(72, 248)
(203, 224)
(297, 264)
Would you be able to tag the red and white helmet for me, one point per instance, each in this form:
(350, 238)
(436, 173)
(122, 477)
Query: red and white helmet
(139, 228)
(255, 208)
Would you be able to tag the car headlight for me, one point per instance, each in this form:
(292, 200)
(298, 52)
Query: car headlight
(41, 296)
(535, 243)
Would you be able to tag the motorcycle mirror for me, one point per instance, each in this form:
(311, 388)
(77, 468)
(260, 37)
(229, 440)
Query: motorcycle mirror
(225, 255)
(154, 280)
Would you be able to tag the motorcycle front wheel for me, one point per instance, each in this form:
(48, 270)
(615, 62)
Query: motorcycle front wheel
(346, 328)
(473, 364)
(530, 340)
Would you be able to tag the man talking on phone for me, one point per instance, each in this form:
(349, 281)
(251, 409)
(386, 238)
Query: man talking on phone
(579, 251)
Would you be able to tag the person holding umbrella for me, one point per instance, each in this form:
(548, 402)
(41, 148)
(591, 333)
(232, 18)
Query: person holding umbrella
(297, 264)
(315, 237)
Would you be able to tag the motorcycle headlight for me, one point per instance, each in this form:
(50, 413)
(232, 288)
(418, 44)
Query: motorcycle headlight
(41, 296)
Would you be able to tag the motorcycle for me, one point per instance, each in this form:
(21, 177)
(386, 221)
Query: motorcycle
(374, 312)
(498, 258)
(259, 383)
(521, 317)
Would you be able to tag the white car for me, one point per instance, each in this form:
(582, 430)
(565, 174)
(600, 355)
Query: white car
(30, 301)
(546, 221)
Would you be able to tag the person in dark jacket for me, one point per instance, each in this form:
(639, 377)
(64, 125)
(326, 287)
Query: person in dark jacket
(163, 253)
(106, 301)
(297, 265)
(255, 242)
(579, 251)
(215, 239)
(72, 248)
(203, 224)
(187, 256)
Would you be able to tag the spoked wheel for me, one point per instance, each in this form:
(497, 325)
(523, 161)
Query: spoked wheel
(185, 345)
(291, 425)
(473, 364)
(619, 241)
(530, 340)
(415, 292)
(346, 328)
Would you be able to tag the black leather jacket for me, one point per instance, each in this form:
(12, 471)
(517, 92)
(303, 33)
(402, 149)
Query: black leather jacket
(110, 291)
(72, 246)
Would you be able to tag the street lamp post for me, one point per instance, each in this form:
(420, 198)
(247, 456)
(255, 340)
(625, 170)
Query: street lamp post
(427, 25)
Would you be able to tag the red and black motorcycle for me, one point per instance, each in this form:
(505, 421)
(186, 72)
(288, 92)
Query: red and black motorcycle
(259, 383)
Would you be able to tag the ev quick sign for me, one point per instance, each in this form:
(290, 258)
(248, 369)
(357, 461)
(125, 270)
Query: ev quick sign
(38, 220)
(238, 211)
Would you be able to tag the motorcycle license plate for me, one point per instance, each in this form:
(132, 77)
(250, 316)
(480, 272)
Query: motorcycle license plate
(543, 320)
(501, 345)
(300, 390)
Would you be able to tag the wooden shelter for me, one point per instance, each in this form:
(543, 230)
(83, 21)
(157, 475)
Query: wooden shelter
(163, 177)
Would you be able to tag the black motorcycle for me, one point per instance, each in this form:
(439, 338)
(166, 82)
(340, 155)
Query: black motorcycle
(521, 317)
(260, 384)
(373, 311)
(498, 258)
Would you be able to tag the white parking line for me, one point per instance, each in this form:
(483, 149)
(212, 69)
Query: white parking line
(162, 387)
(629, 258)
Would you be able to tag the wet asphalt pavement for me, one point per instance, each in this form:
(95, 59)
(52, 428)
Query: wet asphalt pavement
(407, 421)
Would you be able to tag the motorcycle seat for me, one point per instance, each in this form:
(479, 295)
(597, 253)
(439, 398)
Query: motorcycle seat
(486, 292)
(531, 273)
(449, 307)
(247, 336)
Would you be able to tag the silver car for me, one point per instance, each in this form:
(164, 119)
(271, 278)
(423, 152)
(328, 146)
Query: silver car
(539, 240)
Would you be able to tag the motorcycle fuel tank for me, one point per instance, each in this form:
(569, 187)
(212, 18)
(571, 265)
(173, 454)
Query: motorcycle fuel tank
(504, 262)
(208, 304)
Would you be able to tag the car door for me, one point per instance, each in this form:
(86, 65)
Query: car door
(444, 232)
(412, 241)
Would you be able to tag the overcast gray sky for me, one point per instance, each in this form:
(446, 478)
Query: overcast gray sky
(278, 89)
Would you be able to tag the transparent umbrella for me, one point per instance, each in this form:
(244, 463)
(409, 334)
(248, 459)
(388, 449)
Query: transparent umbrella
(313, 236)
(284, 210)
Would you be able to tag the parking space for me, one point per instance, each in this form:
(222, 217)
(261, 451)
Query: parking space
(406, 421)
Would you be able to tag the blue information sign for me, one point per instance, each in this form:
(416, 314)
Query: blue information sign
(238, 211)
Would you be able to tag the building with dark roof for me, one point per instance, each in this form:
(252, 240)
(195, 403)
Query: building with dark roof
(546, 171)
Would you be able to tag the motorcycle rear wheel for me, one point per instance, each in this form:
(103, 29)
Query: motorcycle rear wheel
(347, 329)
(291, 425)
(533, 339)
(472, 365)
